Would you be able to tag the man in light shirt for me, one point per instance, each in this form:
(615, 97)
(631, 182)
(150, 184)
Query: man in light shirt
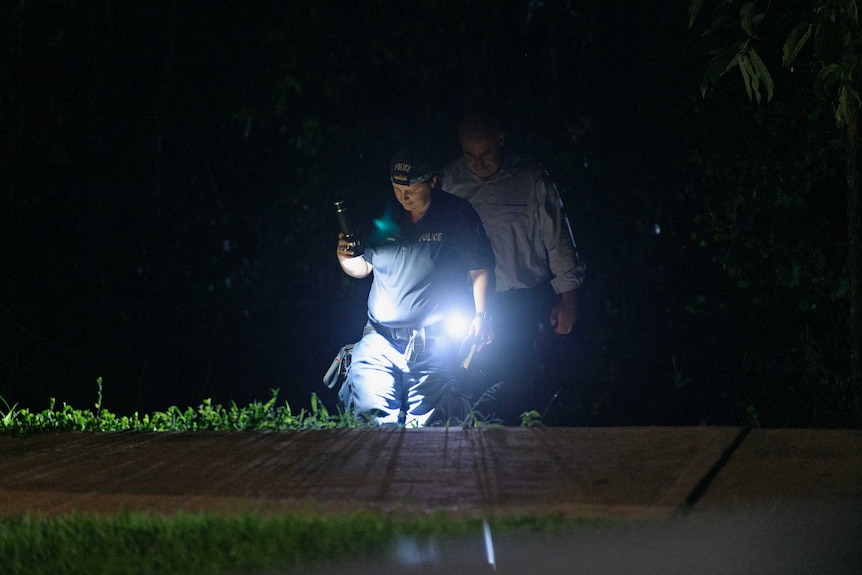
(537, 266)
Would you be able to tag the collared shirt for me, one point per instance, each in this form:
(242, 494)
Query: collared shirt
(422, 269)
(523, 216)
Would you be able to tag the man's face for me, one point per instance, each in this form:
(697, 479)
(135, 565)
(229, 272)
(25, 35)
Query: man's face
(483, 154)
(415, 198)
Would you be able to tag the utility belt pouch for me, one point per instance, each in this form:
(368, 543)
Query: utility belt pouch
(337, 371)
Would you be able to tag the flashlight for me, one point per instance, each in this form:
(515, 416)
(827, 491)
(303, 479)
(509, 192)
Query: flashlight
(346, 228)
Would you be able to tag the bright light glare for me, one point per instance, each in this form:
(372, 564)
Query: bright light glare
(456, 325)
(415, 554)
(489, 545)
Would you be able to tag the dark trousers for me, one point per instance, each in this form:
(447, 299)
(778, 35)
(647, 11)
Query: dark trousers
(528, 365)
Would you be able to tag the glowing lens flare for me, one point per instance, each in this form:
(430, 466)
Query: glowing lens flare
(456, 325)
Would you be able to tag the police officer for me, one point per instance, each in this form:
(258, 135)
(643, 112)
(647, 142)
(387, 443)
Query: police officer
(428, 247)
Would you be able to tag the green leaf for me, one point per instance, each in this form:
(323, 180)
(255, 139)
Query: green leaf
(761, 73)
(847, 98)
(693, 10)
(746, 15)
(747, 75)
(723, 61)
(830, 76)
(795, 42)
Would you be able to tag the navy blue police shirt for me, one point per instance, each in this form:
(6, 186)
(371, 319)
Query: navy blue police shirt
(421, 270)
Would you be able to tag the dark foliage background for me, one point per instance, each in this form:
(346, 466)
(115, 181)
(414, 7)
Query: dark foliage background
(168, 170)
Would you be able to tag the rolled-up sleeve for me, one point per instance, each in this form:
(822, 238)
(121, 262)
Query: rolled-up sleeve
(473, 242)
(566, 268)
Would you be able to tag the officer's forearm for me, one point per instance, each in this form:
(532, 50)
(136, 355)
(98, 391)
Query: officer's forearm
(355, 267)
(482, 286)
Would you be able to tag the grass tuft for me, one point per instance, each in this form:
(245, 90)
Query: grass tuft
(206, 416)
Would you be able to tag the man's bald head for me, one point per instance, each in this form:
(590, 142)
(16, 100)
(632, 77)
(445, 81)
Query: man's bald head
(482, 144)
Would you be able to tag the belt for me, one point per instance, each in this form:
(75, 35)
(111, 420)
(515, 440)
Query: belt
(413, 338)
(405, 333)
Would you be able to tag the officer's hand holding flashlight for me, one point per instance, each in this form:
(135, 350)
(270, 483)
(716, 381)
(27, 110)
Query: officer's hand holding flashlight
(352, 263)
(345, 248)
(481, 332)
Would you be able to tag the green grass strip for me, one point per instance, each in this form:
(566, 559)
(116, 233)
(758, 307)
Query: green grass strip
(139, 544)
